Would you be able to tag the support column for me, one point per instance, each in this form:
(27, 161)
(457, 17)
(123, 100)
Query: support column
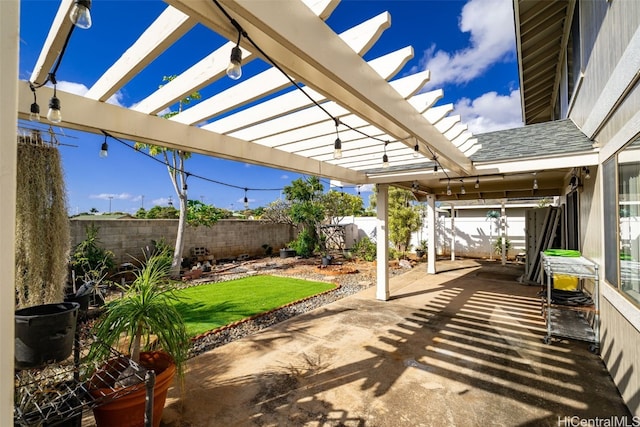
(431, 231)
(503, 232)
(382, 242)
(9, 39)
(453, 233)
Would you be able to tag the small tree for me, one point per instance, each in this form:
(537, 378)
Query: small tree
(278, 212)
(174, 160)
(337, 205)
(90, 261)
(404, 218)
(306, 212)
(494, 217)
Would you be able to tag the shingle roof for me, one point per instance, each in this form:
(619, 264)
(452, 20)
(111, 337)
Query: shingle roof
(542, 139)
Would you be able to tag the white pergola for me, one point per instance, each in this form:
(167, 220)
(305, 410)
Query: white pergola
(261, 118)
(292, 130)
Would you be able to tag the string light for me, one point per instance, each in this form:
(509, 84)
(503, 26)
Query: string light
(234, 69)
(477, 185)
(337, 146)
(416, 150)
(246, 200)
(385, 158)
(54, 115)
(34, 114)
(448, 189)
(462, 189)
(587, 172)
(104, 149)
(80, 14)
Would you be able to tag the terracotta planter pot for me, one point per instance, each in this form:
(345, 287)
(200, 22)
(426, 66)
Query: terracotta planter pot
(125, 407)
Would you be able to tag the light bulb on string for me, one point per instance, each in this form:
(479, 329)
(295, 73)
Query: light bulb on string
(448, 189)
(462, 189)
(416, 151)
(337, 145)
(54, 115)
(234, 69)
(34, 114)
(337, 149)
(385, 158)
(477, 185)
(104, 149)
(246, 200)
(80, 14)
(34, 110)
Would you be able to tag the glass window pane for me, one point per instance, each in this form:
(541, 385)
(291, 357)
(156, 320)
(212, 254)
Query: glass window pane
(611, 236)
(629, 214)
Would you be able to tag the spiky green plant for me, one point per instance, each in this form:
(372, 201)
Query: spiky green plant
(145, 309)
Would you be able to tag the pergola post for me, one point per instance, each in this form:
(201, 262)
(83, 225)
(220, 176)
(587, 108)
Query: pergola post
(9, 42)
(503, 232)
(431, 231)
(453, 233)
(382, 242)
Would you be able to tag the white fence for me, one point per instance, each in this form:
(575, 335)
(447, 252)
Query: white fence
(474, 234)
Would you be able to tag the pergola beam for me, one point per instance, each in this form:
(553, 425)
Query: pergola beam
(331, 67)
(86, 115)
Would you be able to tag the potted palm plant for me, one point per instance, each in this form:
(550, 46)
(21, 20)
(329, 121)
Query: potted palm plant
(142, 317)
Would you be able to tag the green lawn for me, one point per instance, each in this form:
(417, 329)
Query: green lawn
(206, 307)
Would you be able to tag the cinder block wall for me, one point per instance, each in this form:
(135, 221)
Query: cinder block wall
(225, 239)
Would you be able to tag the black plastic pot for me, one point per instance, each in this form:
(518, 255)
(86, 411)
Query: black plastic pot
(287, 253)
(326, 260)
(83, 300)
(44, 334)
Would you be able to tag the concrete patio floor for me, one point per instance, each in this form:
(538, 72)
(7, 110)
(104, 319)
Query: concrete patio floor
(459, 348)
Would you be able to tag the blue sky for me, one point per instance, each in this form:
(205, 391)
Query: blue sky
(469, 47)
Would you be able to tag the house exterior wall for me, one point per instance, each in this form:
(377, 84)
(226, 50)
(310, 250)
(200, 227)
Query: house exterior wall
(608, 27)
(225, 239)
(606, 109)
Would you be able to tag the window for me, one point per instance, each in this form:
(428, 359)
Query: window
(610, 204)
(574, 64)
(629, 219)
(621, 200)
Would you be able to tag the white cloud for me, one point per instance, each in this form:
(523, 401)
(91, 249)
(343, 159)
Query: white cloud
(366, 188)
(80, 89)
(284, 177)
(163, 201)
(71, 87)
(490, 112)
(107, 196)
(492, 39)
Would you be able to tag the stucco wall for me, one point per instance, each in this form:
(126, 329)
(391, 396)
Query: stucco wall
(225, 239)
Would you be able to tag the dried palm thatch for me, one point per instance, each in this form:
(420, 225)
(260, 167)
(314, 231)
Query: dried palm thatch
(42, 224)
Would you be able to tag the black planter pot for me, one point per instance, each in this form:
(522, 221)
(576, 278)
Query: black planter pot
(82, 300)
(44, 333)
(287, 253)
(326, 260)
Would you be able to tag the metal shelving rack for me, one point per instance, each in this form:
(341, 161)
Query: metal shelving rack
(60, 393)
(576, 322)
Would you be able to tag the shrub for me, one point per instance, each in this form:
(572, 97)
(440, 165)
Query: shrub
(497, 245)
(365, 249)
(304, 244)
